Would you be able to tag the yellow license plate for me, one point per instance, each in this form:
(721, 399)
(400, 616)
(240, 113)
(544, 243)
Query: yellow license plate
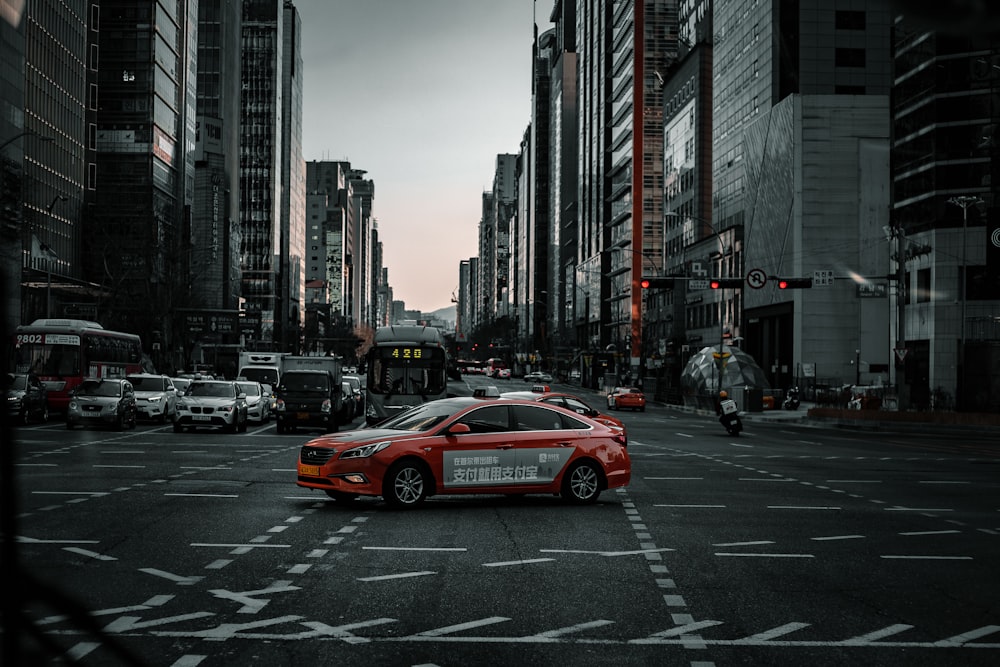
(302, 415)
(312, 471)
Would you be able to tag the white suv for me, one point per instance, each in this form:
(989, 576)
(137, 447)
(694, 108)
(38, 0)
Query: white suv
(155, 396)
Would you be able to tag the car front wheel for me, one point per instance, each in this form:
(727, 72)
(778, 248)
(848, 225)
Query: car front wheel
(582, 484)
(405, 485)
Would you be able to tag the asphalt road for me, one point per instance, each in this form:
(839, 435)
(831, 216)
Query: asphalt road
(788, 545)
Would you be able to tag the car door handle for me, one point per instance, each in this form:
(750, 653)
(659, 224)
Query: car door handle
(565, 444)
(505, 446)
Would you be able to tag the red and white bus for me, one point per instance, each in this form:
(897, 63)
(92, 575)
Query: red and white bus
(63, 352)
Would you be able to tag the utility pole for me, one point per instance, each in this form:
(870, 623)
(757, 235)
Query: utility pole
(902, 391)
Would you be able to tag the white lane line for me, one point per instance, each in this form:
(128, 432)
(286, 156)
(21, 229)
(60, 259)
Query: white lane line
(301, 568)
(958, 640)
(176, 578)
(685, 629)
(743, 544)
(890, 557)
(801, 507)
(736, 555)
(342, 632)
(447, 630)
(941, 481)
(693, 506)
(763, 479)
(684, 435)
(189, 660)
(128, 623)
(202, 495)
(96, 494)
(80, 650)
(32, 540)
(403, 575)
(218, 564)
(559, 632)
(284, 470)
(89, 554)
(675, 478)
(853, 481)
(277, 529)
(526, 561)
(155, 601)
(37, 465)
(933, 532)
(738, 444)
(317, 553)
(98, 465)
(414, 548)
(865, 639)
(603, 553)
(837, 537)
(918, 509)
(779, 631)
(237, 546)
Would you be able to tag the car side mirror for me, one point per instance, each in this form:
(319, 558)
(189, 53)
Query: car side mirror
(457, 429)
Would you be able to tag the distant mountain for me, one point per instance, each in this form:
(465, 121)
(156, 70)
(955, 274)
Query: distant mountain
(446, 314)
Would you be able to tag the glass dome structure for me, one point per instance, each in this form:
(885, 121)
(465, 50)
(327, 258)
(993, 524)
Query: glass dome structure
(700, 377)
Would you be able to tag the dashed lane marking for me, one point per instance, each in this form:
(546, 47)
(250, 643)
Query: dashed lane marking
(401, 575)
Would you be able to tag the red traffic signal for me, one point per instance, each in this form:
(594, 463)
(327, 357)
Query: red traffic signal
(720, 283)
(647, 282)
(794, 283)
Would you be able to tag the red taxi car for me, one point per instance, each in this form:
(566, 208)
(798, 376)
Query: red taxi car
(467, 445)
(543, 394)
(627, 397)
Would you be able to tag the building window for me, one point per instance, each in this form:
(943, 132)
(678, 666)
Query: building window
(850, 57)
(850, 20)
(923, 285)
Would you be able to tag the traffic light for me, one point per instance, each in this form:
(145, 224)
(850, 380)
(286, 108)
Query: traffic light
(656, 282)
(721, 283)
(794, 283)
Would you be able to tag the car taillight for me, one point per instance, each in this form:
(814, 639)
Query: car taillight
(621, 439)
(327, 405)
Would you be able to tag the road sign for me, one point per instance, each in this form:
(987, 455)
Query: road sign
(697, 284)
(901, 354)
(822, 278)
(756, 278)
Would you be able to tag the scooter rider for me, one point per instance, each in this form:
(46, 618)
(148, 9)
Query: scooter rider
(792, 399)
(729, 415)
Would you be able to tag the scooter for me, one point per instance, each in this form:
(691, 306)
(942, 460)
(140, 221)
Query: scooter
(791, 400)
(729, 416)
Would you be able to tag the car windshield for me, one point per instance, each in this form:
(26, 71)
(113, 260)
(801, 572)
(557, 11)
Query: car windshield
(304, 382)
(250, 388)
(16, 381)
(99, 389)
(219, 390)
(420, 418)
(140, 383)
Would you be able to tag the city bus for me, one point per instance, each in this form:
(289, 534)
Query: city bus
(407, 365)
(63, 352)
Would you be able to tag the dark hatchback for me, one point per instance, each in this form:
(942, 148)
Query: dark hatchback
(27, 398)
(104, 402)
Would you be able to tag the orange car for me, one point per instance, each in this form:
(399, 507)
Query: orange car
(468, 445)
(568, 401)
(627, 397)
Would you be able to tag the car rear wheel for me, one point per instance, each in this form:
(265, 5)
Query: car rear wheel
(340, 496)
(405, 485)
(45, 412)
(25, 417)
(582, 483)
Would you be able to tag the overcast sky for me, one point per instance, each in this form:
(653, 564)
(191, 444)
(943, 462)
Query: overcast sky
(423, 94)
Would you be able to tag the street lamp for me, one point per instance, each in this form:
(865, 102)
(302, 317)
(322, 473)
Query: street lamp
(964, 202)
(51, 254)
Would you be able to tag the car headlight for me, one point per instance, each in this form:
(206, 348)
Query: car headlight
(365, 451)
(155, 399)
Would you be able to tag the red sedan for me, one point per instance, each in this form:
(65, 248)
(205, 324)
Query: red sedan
(627, 397)
(468, 446)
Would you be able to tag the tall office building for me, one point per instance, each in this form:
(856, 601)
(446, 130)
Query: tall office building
(272, 181)
(213, 237)
(944, 175)
(143, 183)
(624, 51)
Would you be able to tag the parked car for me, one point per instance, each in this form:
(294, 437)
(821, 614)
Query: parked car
(181, 384)
(631, 398)
(537, 376)
(155, 396)
(103, 402)
(27, 398)
(212, 403)
(258, 401)
(570, 402)
(271, 395)
(469, 445)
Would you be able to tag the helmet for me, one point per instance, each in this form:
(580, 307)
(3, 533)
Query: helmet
(723, 394)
